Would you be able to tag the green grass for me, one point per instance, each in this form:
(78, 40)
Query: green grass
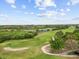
(35, 45)
(70, 29)
(38, 40)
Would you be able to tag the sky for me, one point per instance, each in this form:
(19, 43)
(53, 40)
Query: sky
(26, 12)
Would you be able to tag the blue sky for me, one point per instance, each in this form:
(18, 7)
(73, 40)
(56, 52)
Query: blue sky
(23, 12)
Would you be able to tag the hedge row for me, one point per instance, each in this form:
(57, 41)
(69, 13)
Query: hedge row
(18, 36)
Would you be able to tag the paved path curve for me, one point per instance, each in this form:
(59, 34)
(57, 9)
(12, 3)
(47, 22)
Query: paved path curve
(62, 54)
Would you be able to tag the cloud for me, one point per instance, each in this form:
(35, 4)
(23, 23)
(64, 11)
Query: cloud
(41, 14)
(65, 10)
(76, 18)
(53, 14)
(32, 13)
(29, 13)
(47, 14)
(45, 3)
(3, 15)
(41, 8)
(68, 3)
(62, 10)
(62, 14)
(23, 6)
(11, 1)
(13, 6)
(74, 2)
(68, 9)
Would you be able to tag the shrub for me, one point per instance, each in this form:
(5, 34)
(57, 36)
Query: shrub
(57, 41)
(59, 34)
(17, 36)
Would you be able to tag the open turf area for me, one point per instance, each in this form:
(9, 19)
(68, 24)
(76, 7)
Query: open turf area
(34, 44)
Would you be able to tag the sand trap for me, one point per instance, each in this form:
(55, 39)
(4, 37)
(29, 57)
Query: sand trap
(15, 49)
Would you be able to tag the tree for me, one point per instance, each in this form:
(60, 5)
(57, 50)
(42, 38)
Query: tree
(57, 44)
(57, 41)
(59, 34)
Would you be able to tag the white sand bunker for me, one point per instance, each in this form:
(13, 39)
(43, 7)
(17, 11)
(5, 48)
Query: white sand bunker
(15, 49)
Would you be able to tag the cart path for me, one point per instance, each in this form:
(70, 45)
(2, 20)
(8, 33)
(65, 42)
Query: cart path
(62, 54)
